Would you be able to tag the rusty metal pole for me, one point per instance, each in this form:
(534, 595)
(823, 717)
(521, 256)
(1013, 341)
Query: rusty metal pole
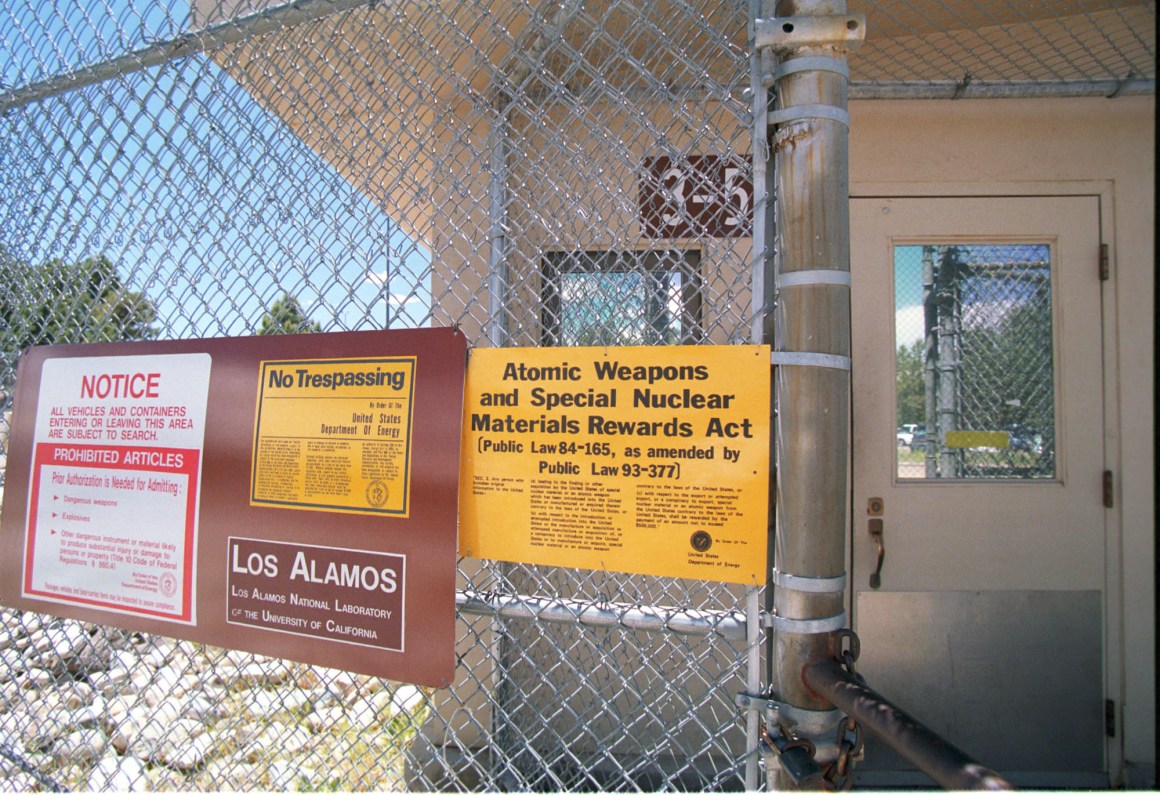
(950, 767)
(810, 333)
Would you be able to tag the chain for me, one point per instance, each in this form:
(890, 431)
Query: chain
(839, 774)
(848, 656)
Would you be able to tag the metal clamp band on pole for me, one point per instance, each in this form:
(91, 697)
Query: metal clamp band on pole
(807, 359)
(805, 112)
(793, 582)
(814, 721)
(812, 277)
(814, 63)
(806, 626)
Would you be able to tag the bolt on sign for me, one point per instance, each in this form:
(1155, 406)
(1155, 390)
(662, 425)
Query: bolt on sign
(696, 196)
(287, 495)
(649, 460)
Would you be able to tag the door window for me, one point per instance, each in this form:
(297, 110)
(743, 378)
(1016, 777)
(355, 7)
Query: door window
(974, 365)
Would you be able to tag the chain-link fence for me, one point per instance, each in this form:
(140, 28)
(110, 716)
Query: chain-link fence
(379, 166)
(557, 173)
(954, 49)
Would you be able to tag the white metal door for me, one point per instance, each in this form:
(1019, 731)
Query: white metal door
(981, 318)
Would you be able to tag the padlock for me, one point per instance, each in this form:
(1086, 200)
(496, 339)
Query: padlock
(796, 758)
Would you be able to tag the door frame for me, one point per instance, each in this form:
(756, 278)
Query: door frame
(1113, 602)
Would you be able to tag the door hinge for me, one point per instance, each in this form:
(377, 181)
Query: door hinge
(1110, 718)
(1109, 489)
(1105, 263)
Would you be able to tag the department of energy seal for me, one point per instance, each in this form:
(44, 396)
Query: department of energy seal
(701, 541)
(377, 494)
(167, 584)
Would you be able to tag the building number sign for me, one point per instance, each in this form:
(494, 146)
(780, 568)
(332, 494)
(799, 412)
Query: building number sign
(696, 196)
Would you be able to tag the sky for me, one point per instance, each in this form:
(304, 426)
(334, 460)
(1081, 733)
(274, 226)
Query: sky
(207, 203)
(908, 314)
(908, 311)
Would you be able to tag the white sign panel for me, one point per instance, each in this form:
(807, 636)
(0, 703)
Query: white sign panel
(116, 473)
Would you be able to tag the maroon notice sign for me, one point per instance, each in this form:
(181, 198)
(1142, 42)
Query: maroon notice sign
(294, 496)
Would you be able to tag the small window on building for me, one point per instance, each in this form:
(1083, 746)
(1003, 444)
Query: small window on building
(621, 298)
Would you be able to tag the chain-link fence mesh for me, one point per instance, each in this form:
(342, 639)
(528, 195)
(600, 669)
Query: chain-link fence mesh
(962, 48)
(383, 166)
(556, 173)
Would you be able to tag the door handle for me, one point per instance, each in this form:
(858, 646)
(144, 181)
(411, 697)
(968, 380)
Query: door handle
(877, 532)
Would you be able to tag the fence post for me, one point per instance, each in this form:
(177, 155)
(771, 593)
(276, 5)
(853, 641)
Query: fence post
(761, 304)
(811, 340)
(930, 362)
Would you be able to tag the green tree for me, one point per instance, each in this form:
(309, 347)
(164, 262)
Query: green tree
(910, 384)
(58, 302)
(286, 317)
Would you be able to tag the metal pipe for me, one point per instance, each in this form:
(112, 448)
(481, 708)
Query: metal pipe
(752, 685)
(947, 291)
(185, 44)
(930, 364)
(947, 765)
(761, 280)
(812, 402)
(950, 89)
(497, 216)
(729, 625)
(511, 84)
(761, 251)
(812, 316)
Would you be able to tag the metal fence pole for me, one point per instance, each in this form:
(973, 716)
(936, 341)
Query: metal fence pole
(930, 362)
(761, 331)
(812, 349)
(949, 362)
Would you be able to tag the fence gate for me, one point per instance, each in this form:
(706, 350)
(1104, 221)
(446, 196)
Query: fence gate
(536, 173)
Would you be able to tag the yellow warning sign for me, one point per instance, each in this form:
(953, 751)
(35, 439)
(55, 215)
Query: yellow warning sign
(650, 460)
(334, 435)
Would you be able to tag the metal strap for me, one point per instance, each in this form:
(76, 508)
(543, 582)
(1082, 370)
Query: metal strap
(807, 359)
(803, 112)
(810, 277)
(813, 722)
(807, 626)
(815, 63)
(792, 582)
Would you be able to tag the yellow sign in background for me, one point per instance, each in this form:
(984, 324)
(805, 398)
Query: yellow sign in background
(650, 460)
(334, 434)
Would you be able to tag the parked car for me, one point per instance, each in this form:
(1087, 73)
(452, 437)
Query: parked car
(905, 433)
(1023, 437)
